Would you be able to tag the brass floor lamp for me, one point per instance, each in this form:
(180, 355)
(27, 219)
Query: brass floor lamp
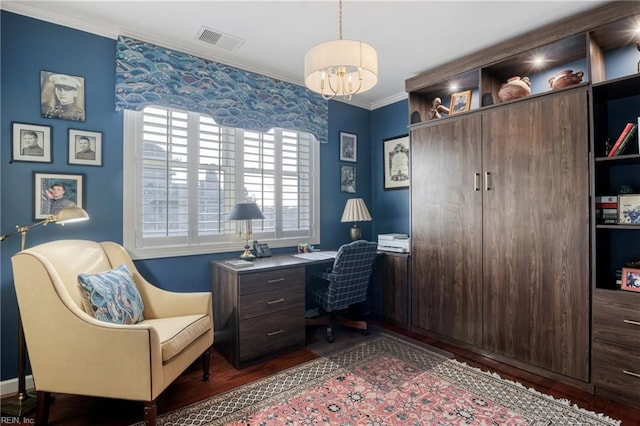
(24, 402)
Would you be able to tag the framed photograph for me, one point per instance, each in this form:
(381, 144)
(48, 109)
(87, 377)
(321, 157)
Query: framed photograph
(396, 162)
(53, 192)
(348, 147)
(62, 96)
(85, 147)
(629, 209)
(31, 142)
(348, 179)
(630, 279)
(460, 102)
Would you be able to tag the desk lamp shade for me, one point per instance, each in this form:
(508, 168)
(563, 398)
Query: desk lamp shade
(355, 211)
(246, 212)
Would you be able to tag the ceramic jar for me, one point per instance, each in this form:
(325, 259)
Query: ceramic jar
(516, 87)
(565, 78)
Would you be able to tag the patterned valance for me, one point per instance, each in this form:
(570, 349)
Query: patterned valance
(147, 74)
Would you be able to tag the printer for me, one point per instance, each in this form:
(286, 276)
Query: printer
(398, 243)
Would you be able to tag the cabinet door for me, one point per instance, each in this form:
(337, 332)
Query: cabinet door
(446, 229)
(536, 232)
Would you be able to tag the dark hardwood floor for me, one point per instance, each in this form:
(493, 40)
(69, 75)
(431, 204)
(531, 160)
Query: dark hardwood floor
(69, 410)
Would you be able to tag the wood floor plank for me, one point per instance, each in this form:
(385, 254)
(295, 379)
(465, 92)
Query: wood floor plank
(73, 410)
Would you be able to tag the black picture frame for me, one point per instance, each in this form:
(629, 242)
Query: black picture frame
(348, 179)
(31, 143)
(348, 147)
(396, 162)
(44, 192)
(85, 147)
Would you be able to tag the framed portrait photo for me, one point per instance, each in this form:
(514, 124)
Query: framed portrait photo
(348, 147)
(460, 102)
(631, 279)
(348, 179)
(62, 96)
(396, 162)
(54, 191)
(85, 147)
(31, 142)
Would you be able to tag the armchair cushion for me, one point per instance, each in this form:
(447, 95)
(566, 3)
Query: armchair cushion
(177, 333)
(112, 296)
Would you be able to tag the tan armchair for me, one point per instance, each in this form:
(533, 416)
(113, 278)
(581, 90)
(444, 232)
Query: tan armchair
(72, 352)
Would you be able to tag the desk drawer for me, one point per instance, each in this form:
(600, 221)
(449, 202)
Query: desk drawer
(271, 280)
(269, 333)
(267, 302)
(617, 369)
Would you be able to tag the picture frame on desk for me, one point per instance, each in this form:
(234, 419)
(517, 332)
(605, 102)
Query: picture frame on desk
(631, 279)
(629, 209)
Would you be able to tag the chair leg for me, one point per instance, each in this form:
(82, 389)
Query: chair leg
(150, 413)
(42, 410)
(206, 361)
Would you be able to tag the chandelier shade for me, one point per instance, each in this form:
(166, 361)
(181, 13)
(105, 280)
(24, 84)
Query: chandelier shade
(341, 67)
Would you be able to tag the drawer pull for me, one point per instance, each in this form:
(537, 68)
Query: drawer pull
(273, 333)
(631, 322)
(271, 302)
(277, 280)
(631, 373)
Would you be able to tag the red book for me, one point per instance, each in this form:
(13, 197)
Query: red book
(621, 138)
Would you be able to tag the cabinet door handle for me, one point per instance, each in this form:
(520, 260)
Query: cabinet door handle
(487, 183)
(631, 322)
(631, 373)
(277, 280)
(271, 302)
(476, 181)
(273, 333)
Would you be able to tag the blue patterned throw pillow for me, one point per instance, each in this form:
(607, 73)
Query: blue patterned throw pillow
(112, 296)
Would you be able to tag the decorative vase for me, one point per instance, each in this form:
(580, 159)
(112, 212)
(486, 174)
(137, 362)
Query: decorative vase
(515, 87)
(565, 78)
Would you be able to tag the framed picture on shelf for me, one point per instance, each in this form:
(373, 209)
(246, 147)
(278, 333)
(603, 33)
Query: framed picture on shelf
(630, 279)
(54, 191)
(85, 147)
(629, 209)
(348, 179)
(62, 96)
(396, 162)
(460, 102)
(31, 142)
(348, 147)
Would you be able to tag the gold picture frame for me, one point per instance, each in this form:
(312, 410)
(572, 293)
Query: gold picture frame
(460, 102)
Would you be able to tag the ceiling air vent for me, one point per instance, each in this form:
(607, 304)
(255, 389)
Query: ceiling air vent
(219, 39)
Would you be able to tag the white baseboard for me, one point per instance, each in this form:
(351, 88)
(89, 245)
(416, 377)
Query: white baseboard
(10, 387)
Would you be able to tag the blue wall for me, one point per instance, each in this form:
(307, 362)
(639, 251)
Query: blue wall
(30, 46)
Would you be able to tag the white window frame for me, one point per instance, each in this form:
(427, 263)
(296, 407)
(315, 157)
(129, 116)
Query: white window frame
(184, 246)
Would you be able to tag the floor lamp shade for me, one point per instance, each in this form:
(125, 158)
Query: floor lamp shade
(355, 211)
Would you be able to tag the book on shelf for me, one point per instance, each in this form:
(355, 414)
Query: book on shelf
(238, 263)
(623, 140)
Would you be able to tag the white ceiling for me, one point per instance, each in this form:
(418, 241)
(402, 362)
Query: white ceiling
(410, 36)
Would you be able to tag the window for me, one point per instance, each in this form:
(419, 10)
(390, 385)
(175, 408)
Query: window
(183, 173)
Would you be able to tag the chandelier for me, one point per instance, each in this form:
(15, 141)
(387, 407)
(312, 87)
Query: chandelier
(341, 67)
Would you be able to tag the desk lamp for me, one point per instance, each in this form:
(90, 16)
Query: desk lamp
(246, 212)
(23, 402)
(355, 211)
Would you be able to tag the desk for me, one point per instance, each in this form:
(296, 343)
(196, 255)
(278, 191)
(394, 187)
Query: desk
(259, 310)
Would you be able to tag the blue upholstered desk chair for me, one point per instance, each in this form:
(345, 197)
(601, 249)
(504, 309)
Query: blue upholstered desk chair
(346, 284)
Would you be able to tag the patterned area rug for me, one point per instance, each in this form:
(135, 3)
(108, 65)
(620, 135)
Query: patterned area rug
(383, 381)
